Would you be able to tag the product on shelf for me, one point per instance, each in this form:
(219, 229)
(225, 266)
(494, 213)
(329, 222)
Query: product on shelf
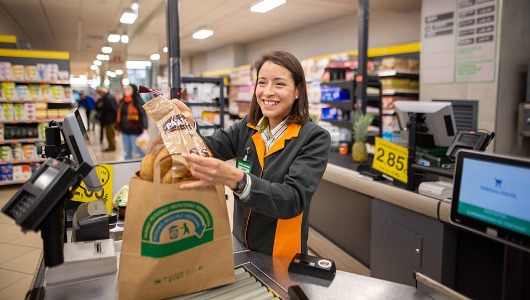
(46, 92)
(18, 72)
(393, 63)
(21, 131)
(35, 92)
(29, 152)
(57, 92)
(53, 72)
(32, 73)
(6, 153)
(6, 73)
(9, 90)
(8, 112)
(329, 93)
(334, 114)
(41, 128)
(21, 172)
(399, 83)
(6, 172)
(22, 93)
(42, 70)
(64, 75)
(2, 131)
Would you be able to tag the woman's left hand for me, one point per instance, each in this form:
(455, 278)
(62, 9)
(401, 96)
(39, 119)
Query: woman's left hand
(211, 171)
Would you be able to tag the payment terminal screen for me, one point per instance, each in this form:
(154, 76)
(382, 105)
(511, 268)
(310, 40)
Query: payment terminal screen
(497, 194)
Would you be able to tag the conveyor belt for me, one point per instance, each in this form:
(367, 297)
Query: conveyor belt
(246, 286)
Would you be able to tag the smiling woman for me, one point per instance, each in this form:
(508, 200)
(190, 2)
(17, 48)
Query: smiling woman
(281, 157)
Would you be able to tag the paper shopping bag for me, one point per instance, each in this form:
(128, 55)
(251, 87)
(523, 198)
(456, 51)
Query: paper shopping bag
(175, 241)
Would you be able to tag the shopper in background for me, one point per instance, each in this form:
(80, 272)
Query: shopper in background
(89, 104)
(131, 120)
(281, 157)
(107, 110)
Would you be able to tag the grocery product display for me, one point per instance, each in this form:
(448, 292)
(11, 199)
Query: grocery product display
(30, 95)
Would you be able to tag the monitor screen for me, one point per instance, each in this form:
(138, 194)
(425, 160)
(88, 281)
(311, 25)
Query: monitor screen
(45, 178)
(492, 195)
(439, 119)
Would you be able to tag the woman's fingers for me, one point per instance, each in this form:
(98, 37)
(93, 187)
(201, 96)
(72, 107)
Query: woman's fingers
(184, 109)
(192, 185)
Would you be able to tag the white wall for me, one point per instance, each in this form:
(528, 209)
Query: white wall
(513, 64)
(339, 35)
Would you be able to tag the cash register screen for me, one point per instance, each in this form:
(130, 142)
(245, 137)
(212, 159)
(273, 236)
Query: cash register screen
(45, 178)
(492, 195)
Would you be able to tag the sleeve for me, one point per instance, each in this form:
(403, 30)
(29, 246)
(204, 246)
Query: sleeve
(224, 142)
(289, 199)
(112, 104)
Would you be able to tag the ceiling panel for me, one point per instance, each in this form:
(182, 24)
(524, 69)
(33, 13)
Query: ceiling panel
(82, 26)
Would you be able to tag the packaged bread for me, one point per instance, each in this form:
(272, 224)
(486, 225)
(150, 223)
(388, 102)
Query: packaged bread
(177, 136)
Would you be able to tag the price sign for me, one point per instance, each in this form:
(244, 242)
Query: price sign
(391, 159)
(104, 173)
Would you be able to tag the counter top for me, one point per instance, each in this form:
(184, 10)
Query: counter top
(270, 270)
(346, 176)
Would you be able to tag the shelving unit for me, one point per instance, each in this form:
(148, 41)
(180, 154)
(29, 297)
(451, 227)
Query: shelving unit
(27, 105)
(372, 100)
(218, 104)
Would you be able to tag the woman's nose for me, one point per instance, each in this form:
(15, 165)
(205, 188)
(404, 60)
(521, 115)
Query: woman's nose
(269, 90)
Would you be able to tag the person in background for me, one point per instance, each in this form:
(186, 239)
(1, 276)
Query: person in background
(131, 120)
(107, 109)
(89, 104)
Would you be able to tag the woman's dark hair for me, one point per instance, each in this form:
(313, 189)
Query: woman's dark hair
(300, 111)
(137, 100)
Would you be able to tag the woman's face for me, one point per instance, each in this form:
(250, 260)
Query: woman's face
(275, 91)
(128, 91)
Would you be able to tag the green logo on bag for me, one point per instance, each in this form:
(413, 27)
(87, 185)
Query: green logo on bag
(176, 227)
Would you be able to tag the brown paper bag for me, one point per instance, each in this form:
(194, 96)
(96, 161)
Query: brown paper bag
(175, 241)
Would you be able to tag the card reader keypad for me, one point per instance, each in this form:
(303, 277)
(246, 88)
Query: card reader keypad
(23, 207)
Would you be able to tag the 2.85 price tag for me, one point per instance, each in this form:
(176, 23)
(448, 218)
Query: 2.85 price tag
(391, 159)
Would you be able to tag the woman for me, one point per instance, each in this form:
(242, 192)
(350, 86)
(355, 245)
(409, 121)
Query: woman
(131, 120)
(281, 157)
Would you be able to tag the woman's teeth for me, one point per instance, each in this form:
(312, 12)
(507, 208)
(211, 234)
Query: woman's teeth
(270, 103)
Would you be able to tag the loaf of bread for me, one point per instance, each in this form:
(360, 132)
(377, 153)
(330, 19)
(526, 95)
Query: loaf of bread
(177, 136)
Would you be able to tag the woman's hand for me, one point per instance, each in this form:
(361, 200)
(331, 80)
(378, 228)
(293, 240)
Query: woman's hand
(211, 171)
(185, 110)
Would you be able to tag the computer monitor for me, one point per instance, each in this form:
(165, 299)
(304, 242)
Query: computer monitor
(76, 137)
(439, 119)
(491, 196)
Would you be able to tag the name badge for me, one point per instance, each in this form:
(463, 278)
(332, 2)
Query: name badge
(245, 166)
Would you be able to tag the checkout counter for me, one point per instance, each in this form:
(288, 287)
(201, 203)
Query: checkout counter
(270, 271)
(386, 232)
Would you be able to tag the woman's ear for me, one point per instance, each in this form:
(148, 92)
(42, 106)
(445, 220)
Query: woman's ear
(297, 92)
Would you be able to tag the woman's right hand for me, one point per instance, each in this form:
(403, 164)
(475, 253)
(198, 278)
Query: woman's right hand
(185, 110)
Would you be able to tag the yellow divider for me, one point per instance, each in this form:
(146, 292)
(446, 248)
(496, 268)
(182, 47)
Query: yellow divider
(35, 54)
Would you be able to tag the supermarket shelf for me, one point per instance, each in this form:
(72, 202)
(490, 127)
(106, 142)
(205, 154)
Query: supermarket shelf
(66, 101)
(23, 161)
(32, 121)
(347, 124)
(17, 141)
(214, 80)
(399, 73)
(241, 84)
(12, 182)
(58, 82)
(207, 126)
(348, 104)
(201, 103)
(241, 100)
(402, 92)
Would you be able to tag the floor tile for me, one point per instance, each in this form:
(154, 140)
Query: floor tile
(9, 252)
(10, 233)
(26, 263)
(7, 278)
(17, 290)
(30, 239)
(6, 220)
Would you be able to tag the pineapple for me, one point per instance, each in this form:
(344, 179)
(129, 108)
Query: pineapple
(360, 128)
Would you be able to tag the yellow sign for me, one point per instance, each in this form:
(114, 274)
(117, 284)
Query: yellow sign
(391, 159)
(105, 173)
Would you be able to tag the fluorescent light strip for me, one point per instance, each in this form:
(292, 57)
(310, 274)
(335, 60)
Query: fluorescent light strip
(128, 17)
(202, 34)
(266, 5)
(137, 64)
(113, 38)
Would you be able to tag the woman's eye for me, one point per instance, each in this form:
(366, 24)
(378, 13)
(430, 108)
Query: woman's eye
(261, 82)
(280, 83)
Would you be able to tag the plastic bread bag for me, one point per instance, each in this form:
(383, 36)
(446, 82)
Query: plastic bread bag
(177, 134)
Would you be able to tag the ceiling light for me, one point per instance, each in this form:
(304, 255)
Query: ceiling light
(137, 64)
(155, 56)
(113, 38)
(125, 81)
(106, 49)
(106, 82)
(128, 17)
(164, 49)
(125, 38)
(97, 63)
(94, 68)
(202, 34)
(119, 72)
(111, 74)
(101, 57)
(266, 5)
(135, 6)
